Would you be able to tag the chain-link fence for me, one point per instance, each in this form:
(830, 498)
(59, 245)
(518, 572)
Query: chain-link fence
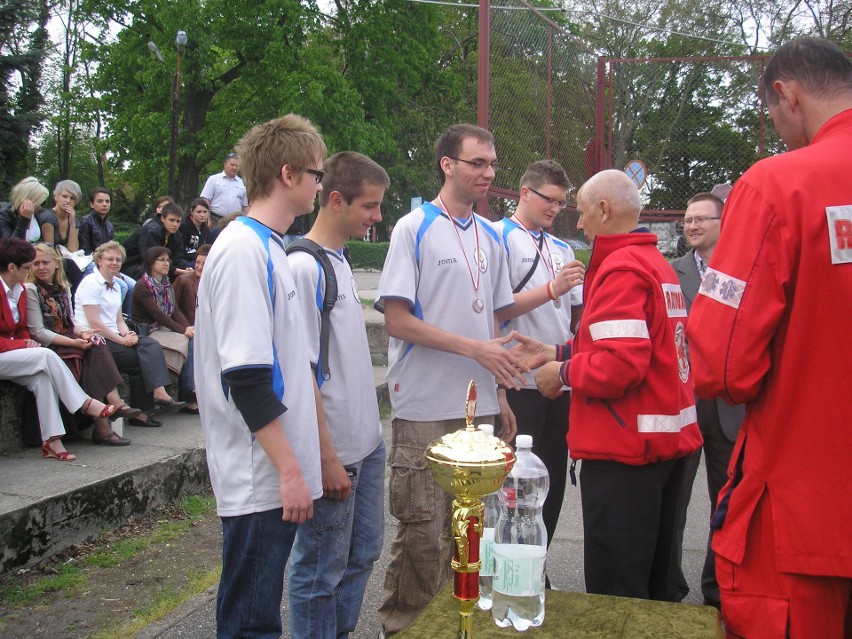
(693, 122)
(541, 101)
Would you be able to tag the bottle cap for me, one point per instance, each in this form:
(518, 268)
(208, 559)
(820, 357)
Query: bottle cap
(523, 441)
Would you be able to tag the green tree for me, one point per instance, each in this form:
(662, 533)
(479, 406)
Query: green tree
(23, 41)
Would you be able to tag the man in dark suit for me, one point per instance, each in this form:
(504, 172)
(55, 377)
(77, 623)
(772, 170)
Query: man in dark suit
(719, 421)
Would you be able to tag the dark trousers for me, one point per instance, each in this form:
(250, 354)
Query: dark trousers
(717, 454)
(146, 366)
(629, 522)
(546, 420)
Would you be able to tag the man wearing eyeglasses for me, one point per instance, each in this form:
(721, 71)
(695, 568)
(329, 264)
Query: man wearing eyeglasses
(444, 278)
(719, 421)
(225, 191)
(767, 329)
(547, 287)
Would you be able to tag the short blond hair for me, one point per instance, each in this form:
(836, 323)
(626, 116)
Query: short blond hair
(28, 189)
(290, 139)
(112, 245)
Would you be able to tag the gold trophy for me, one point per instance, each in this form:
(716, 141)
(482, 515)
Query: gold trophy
(468, 464)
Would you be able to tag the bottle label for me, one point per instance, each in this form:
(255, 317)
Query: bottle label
(519, 569)
(486, 553)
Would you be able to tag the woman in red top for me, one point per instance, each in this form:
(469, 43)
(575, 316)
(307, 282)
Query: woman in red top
(26, 362)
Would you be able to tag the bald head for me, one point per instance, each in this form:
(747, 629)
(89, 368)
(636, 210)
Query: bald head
(609, 204)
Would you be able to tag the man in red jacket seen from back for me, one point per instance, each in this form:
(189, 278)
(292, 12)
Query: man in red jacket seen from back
(768, 329)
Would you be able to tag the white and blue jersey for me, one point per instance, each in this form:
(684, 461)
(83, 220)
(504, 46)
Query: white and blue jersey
(547, 323)
(249, 316)
(427, 267)
(349, 394)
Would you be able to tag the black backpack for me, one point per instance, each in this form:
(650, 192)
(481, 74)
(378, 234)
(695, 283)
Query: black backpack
(318, 253)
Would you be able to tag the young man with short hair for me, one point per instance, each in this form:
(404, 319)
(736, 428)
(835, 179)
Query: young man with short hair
(547, 285)
(255, 388)
(334, 553)
(163, 231)
(444, 278)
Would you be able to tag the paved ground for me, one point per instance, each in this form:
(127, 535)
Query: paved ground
(196, 619)
(28, 483)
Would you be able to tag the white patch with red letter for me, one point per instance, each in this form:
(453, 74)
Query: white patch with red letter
(840, 233)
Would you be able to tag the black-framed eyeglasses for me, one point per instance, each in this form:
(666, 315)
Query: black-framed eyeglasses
(479, 165)
(560, 203)
(165, 260)
(317, 174)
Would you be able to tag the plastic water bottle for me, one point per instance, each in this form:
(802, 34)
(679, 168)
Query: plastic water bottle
(520, 542)
(486, 548)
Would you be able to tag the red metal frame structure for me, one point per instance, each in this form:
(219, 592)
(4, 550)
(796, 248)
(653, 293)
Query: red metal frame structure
(484, 85)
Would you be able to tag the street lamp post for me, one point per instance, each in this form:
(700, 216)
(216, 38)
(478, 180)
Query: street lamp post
(180, 42)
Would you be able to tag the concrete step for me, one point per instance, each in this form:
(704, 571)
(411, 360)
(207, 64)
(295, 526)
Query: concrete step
(47, 505)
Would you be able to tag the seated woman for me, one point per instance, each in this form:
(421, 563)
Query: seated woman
(97, 305)
(21, 217)
(59, 226)
(50, 322)
(155, 307)
(26, 362)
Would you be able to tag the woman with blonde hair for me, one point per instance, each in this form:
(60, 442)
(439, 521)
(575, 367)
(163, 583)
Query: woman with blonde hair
(50, 321)
(21, 217)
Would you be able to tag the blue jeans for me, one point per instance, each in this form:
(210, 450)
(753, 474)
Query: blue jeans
(255, 549)
(334, 554)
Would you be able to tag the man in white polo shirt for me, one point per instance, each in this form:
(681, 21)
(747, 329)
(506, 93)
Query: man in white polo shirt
(225, 191)
(547, 284)
(256, 394)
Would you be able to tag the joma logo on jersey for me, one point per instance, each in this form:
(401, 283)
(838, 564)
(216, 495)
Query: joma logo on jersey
(840, 233)
(449, 260)
(291, 295)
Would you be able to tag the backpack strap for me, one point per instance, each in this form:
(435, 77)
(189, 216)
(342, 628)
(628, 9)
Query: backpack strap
(318, 253)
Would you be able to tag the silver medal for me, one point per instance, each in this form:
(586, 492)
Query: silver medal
(478, 304)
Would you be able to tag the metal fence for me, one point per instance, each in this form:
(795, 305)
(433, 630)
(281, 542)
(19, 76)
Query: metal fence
(540, 102)
(692, 122)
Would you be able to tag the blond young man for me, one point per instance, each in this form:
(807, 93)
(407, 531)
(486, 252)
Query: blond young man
(255, 389)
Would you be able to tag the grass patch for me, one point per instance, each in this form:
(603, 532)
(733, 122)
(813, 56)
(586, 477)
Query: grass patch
(68, 577)
(164, 603)
(71, 575)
